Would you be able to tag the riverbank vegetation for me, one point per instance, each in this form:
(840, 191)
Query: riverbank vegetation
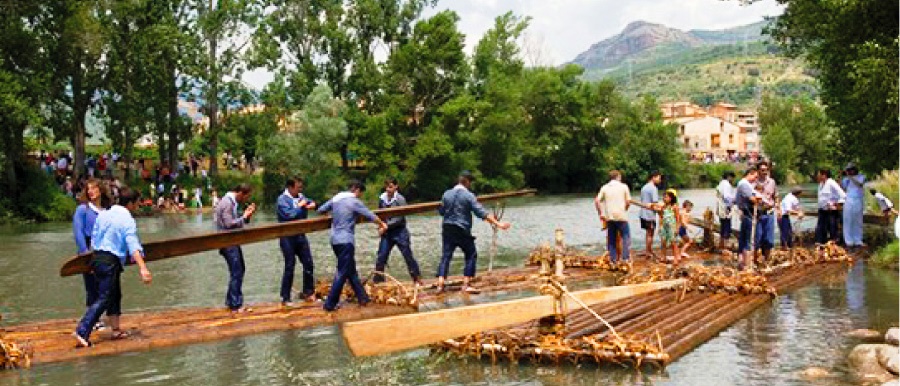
(888, 256)
(371, 89)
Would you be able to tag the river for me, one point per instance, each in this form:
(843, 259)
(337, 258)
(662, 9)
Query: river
(770, 347)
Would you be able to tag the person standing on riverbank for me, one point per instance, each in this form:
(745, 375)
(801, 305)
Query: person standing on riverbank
(292, 205)
(226, 217)
(457, 206)
(790, 205)
(345, 207)
(650, 198)
(113, 239)
(854, 185)
(830, 199)
(724, 204)
(93, 201)
(396, 235)
(745, 200)
(612, 204)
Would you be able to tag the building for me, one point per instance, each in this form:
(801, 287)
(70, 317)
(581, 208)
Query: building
(701, 137)
(719, 131)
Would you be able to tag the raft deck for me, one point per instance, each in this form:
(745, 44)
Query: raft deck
(51, 341)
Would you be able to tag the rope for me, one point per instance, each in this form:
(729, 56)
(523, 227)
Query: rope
(585, 306)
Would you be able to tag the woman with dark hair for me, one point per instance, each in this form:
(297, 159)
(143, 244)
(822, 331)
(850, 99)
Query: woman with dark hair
(114, 239)
(92, 202)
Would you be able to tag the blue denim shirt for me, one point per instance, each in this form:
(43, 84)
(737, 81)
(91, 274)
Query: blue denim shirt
(115, 231)
(287, 210)
(83, 225)
(457, 207)
(345, 208)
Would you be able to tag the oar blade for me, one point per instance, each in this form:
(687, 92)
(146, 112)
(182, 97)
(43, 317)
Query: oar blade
(403, 332)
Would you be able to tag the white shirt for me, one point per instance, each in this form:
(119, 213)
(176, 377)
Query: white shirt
(884, 203)
(615, 197)
(830, 193)
(725, 194)
(789, 203)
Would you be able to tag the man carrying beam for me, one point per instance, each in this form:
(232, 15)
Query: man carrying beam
(226, 215)
(114, 239)
(345, 207)
(457, 206)
(293, 205)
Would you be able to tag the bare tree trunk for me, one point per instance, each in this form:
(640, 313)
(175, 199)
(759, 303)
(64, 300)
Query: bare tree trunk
(212, 101)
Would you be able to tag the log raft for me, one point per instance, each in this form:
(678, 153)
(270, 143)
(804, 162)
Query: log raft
(51, 341)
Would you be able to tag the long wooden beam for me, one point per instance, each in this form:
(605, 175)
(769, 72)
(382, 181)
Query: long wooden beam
(397, 333)
(164, 249)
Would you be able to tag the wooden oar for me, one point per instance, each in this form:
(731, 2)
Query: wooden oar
(164, 249)
(397, 333)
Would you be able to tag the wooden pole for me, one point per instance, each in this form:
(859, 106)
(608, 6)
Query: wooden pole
(164, 249)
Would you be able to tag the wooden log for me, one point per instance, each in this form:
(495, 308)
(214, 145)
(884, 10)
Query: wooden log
(164, 249)
(381, 336)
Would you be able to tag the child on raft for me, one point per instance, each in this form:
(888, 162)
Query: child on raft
(670, 218)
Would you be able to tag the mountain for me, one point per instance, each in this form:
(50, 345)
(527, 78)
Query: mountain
(640, 37)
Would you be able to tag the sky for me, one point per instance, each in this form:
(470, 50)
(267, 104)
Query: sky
(561, 29)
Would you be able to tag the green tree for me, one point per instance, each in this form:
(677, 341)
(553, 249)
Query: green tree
(796, 135)
(223, 29)
(853, 44)
(76, 44)
(310, 144)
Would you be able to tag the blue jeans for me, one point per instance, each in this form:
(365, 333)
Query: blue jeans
(725, 227)
(346, 272)
(744, 234)
(396, 237)
(827, 226)
(90, 288)
(452, 237)
(787, 234)
(109, 298)
(613, 229)
(234, 298)
(765, 232)
(293, 247)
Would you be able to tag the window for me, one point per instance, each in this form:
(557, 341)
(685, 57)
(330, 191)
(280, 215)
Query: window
(716, 142)
(687, 142)
(682, 129)
(731, 138)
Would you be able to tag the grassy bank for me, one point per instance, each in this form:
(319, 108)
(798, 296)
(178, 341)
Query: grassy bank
(887, 256)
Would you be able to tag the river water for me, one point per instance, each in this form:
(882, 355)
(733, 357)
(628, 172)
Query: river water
(770, 347)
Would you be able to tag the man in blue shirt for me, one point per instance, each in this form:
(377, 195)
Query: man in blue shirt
(113, 240)
(745, 200)
(345, 208)
(226, 217)
(396, 234)
(292, 205)
(650, 198)
(457, 207)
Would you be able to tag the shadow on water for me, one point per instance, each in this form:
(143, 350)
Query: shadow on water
(795, 331)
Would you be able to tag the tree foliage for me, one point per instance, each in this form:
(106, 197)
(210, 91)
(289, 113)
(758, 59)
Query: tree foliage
(853, 44)
(797, 135)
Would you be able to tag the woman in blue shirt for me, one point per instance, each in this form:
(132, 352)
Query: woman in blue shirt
(92, 201)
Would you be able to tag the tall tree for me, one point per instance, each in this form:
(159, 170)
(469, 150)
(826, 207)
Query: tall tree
(225, 29)
(24, 79)
(853, 44)
(77, 45)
